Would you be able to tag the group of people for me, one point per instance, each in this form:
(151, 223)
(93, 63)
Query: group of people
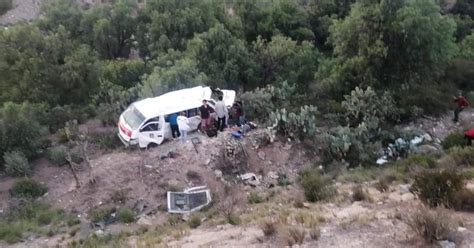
(180, 124)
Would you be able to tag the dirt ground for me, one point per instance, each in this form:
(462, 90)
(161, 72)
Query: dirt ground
(148, 174)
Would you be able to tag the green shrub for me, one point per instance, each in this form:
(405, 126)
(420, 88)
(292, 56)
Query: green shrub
(417, 161)
(463, 156)
(16, 164)
(126, 215)
(283, 180)
(233, 219)
(10, 233)
(437, 188)
(57, 155)
(254, 198)
(20, 129)
(316, 187)
(454, 139)
(28, 188)
(194, 221)
(102, 213)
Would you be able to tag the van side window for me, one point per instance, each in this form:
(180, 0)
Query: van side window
(153, 119)
(192, 112)
(150, 127)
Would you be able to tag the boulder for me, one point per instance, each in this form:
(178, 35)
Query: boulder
(404, 188)
(218, 173)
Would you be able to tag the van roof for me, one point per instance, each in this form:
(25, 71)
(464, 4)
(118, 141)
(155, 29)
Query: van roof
(179, 100)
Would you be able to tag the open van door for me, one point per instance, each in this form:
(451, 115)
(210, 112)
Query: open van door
(228, 97)
(150, 133)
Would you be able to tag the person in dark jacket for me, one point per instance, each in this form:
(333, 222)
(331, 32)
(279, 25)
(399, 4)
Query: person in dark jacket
(172, 118)
(204, 110)
(461, 103)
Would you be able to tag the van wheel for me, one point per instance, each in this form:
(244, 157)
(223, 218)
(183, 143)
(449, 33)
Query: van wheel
(151, 145)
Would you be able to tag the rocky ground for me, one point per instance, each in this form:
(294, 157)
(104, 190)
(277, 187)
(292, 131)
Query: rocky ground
(147, 174)
(23, 10)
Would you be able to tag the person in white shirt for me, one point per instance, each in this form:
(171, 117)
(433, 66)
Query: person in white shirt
(221, 112)
(183, 126)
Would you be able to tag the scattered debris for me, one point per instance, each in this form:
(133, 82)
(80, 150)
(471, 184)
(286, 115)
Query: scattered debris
(272, 175)
(250, 179)
(195, 141)
(218, 173)
(190, 200)
(144, 221)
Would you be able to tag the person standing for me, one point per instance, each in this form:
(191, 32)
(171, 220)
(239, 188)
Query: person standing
(172, 118)
(239, 113)
(461, 103)
(205, 115)
(221, 112)
(183, 125)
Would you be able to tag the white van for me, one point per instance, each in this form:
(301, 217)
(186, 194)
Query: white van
(144, 122)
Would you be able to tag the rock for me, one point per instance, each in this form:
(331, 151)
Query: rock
(185, 217)
(250, 179)
(446, 244)
(148, 166)
(404, 188)
(306, 205)
(208, 161)
(461, 229)
(145, 221)
(427, 137)
(272, 175)
(428, 150)
(408, 197)
(218, 173)
(261, 155)
(99, 232)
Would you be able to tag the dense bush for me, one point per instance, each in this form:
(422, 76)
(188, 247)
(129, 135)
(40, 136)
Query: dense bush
(28, 188)
(5, 5)
(413, 163)
(102, 213)
(16, 164)
(57, 155)
(20, 129)
(437, 188)
(254, 198)
(454, 139)
(462, 156)
(463, 200)
(316, 186)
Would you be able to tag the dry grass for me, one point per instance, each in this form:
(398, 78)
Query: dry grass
(360, 194)
(431, 225)
(315, 233)
(294, 235)
(269, 228)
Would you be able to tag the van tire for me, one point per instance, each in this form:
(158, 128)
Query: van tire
(151, 145)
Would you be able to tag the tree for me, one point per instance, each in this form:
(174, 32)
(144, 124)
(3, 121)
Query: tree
(222, 57)
(109, 29)
(125, 73)
(66, 13)
(283, 59)
(169, 24)
(289, 18)
(176, 75)
(392, 43)
(255, 18)
(467, 48)
(321, 15)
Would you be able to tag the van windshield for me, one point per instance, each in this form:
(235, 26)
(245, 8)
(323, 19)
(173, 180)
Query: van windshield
(133, 117)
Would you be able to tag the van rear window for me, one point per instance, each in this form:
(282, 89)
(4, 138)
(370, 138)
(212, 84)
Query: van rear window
(133, 117)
